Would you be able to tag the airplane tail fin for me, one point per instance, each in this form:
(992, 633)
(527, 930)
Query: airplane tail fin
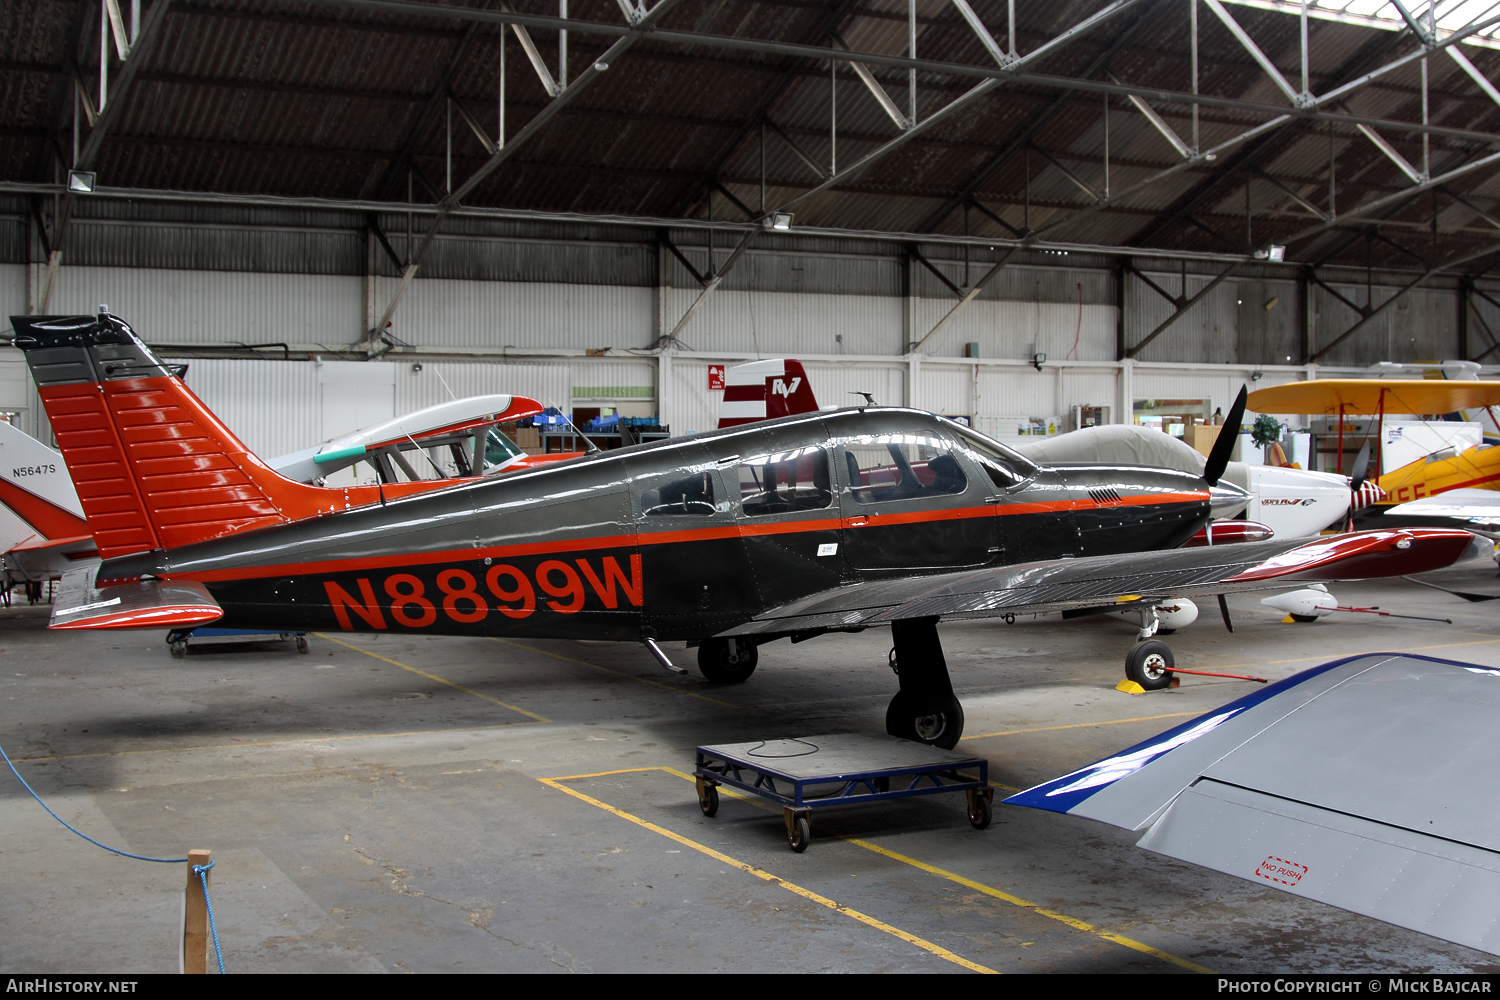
(764, 390)
(34, 485)
(153, 467)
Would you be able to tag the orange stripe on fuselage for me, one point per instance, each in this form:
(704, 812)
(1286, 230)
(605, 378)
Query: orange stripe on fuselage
(672, 537)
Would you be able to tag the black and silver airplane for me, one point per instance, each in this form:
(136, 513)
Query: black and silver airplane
(790, 528)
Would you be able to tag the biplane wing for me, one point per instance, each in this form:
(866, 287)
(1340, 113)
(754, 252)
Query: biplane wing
(1373, 395)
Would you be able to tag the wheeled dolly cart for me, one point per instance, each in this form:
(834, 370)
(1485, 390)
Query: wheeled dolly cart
(177, 639)
(812, 772)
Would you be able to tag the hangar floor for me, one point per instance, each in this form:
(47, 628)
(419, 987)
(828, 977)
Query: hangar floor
(376, 805)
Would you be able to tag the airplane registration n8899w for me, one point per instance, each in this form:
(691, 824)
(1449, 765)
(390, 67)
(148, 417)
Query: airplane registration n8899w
(792, 527)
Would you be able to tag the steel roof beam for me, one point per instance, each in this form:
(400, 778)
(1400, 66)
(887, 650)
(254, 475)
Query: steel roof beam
(819, 54)
(963, 302)
(1156, 120)
(1181, 310)
(1248, 44)
(1370, 313)
(542, 118)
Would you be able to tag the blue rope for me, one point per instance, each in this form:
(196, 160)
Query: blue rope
(91, 840)
(202, 872)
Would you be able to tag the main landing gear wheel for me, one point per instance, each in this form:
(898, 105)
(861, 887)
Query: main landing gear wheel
(937, 721)
(1304, 619)
(1150, 665)
(727, 661)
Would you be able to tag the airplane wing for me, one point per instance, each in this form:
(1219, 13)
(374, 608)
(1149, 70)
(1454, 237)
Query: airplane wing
(1102, 581)
(1373, 395)
(146, 603)
(1354, 783)
(1478, 507)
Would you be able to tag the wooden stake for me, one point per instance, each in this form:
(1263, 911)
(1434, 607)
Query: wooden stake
(195, 938)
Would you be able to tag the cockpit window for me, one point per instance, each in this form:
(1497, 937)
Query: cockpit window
(785, 482)
(901, 467)
(1006, 468)
(499, 450)
(691, 495)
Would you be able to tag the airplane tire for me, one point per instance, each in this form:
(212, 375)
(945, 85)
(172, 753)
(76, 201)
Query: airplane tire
(1304, 619)
(937, 725)
(1150, 665)
(714, 661)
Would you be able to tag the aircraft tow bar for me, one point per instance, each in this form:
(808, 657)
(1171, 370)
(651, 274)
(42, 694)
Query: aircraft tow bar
(661, 657)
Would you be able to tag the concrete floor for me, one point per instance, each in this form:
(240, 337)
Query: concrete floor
(377, 805)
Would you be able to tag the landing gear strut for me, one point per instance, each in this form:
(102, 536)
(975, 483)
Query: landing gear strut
(925, 710)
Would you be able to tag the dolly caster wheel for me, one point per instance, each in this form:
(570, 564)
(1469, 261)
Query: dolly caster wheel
(798, 833)
(981, 808)
(708, 797)
(179, 648)
(301, 643)
(1150, 665)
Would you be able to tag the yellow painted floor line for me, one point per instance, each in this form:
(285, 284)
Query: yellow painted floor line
(761, 873)
(273, 743)
(607, 670)
(1078, 725)
(1073, 922)
(432, 677)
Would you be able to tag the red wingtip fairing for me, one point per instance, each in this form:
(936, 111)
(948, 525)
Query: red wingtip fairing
(1365, 555)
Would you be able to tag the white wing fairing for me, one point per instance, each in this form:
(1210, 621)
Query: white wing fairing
(1353, 783)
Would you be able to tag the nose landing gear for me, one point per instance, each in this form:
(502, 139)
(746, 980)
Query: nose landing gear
(1150, 665)
(925, 710)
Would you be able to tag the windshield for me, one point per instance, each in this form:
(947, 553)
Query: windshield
(499, 450)
(1005, 468)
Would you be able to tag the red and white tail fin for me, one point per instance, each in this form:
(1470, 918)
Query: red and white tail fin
(765, 390)
(154, 468)
(34, 485)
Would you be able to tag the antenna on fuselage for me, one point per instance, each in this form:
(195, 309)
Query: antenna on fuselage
(869, 397)
(589, 446)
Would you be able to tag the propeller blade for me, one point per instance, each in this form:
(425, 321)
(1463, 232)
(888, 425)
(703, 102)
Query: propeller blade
(1229, 434)
(1361, 468)
(1471, 598)
(1224, 610)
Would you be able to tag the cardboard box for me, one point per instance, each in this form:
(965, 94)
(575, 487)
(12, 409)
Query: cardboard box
(528, 437)
(1203, 438)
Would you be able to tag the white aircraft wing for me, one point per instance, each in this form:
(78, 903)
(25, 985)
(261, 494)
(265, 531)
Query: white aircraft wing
(1363, 783)
(1480, 507)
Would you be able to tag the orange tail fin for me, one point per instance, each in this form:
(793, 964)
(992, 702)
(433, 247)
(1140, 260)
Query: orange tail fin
(153, 466)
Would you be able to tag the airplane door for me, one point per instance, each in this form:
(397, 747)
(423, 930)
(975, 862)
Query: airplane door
(907, 504)
(692, 558)
(788, 519)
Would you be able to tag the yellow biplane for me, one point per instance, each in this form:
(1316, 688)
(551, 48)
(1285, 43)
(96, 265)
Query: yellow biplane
(1438, 472)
